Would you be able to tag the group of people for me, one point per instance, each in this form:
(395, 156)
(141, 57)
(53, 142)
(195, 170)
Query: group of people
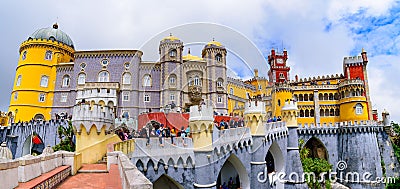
(162, 132)
(229, 124)
(274, 119)
(124, 134)
(231, 184)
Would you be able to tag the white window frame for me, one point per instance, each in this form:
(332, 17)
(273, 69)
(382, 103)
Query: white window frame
(125, 96)
(64, 97)
(172, 97)
(48, 55)
(19, 78)
(219, 99)
(172, 53)
(359, 109)
(172, 80)
(81, 78)
(259, 87)
(42, 97)
(126, 78)
(16, 96)
(218, 58)
(196, 81)
(44, 81)
(66, 81)
(147, 80)
(220, 82)
(146, 98)
(24, 55)
(103, 76)
(231, 91)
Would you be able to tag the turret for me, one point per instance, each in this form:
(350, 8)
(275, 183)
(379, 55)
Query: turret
(279, 71)
(254, 111)
(201, 123)
(280, 94)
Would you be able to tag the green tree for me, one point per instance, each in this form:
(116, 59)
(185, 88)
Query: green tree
(65, 134)
(316, 166)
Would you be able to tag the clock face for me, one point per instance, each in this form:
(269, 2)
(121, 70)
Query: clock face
(280, 61)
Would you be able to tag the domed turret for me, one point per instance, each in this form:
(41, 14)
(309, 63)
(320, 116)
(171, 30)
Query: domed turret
(52, 33)
(214, 43)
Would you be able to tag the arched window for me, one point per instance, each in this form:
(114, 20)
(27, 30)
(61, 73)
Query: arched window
(320, 96)
(305, 97)
(172, 97)
(307, 113)
(321, 113)
(16, 95)
(336, 96)
(126, 78)
(196, 80)
(310, 97)
(65, 81)
(172, 53)
(24, 55)
(326, 112)
(172, 79)
(330, 96)
(295, 97)
(19, 78)
(42, 97)
(337, 112)
(301, 97)
(219, 99)
(332, 112)
(301, 113)
(44, 81)
(147, 80)
(81, 79)
(218, 57)
(48, 55)
(220, 82)
(279, 102)
(342, 94)
(359, 109)
(311, 113)
(326, 96)
(103, 76)
(231, 91)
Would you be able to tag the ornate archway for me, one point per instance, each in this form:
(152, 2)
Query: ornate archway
(164, 181)
(234, 172)
(275, 163)
(317, 149)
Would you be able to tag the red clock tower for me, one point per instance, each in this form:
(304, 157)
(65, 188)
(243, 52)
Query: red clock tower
(278, 72)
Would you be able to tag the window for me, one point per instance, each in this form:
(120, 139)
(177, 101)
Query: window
(126, 65)
(104, 62)
(125, 96)
(196, 80)
(64, 97)
(48, 55)
(172, 53)
(44, 81)
(281, 76)
(41, 97)
(147, 80)
(359, 109)
(83, 65)
(65, 81)
(103, 76)
(219, 99)
(218, 57)
(220, 82)
(24, 55)
(172, 97)
(231, 91)
(19, 80)
(81, 78)
(172, 79)
(147, 98)
(259, 87)
(15, 95)
(126, 78)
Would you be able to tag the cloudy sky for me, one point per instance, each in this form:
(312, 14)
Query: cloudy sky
(317, 34)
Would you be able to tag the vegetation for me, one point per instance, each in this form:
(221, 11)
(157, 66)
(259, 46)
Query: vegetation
(396, 148)
(65, 134)
(316, 166)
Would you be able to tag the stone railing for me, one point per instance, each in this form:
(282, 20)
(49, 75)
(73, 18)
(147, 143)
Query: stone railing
(232, 137)
(275, 129)
(340, 127)
(351, 82)
(131, 177)
(86, 115)
(29, 167)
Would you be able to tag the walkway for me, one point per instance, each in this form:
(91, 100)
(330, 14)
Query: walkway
(89, 177)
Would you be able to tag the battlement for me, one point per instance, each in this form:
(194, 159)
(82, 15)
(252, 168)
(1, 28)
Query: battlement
(275, 130)
(92, 114)
(240, 83)
(46, 42)
(290, 105)
(353, 60)
(362, 123)
(34, 123)
(202, 113)
(253, 106)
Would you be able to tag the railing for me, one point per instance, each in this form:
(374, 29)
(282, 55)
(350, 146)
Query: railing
(314, 87)
(351, 82)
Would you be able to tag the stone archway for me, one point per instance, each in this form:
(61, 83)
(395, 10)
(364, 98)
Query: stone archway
(317, 149)
(33, 144)
(39, 117)
(275, 164)
(233, 169)
(164, 181)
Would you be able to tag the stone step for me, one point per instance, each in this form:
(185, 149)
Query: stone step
(92, 171)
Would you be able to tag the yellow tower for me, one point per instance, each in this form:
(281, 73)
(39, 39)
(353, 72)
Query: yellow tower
(256, 117)
(34, 84)
(201, 127)
(281, 93)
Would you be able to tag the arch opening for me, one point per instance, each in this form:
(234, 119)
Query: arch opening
(33, 145)
(317, 149)
(164, 181)
(233, 174)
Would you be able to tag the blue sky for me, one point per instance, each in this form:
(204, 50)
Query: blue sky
(317, 34)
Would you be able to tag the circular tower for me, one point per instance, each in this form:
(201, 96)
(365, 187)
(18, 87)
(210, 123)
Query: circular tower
(34, 84)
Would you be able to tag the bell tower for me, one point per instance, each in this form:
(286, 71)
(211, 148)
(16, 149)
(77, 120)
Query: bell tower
(279, 71)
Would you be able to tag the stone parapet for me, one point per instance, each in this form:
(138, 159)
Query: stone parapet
(29, 168)
(9, 173)
(204, 113)
(86, 115)
(252, 107)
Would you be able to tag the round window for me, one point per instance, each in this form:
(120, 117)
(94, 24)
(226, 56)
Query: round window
(83, 65)
(127, 65)
(104, 62)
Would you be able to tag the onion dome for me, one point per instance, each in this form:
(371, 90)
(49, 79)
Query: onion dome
(52, 33)
(170, 38)
(5, 152)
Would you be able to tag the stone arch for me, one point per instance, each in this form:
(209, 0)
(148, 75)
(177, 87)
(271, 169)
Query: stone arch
(253, 122)
(171, 162)
(317, 148)
(110, 104)
(33, 144)
(164, 181)
(160, 164)
(180, 162)
(139, 165)
(228, 148)
(222, 150)
(150, 165)
(234, 168)
(189, 162)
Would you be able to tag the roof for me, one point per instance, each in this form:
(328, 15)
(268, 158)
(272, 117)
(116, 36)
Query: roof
(52, 33)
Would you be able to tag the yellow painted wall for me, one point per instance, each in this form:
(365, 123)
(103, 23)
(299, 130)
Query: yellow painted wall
(201, 135)
(281, 96)
(240, 92)
(93, 147)
(348, 111)
(32, 69)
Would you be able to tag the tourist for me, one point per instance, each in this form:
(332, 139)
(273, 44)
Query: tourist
(173, 134)
(222, 125)
(279, 118)
(187, 131)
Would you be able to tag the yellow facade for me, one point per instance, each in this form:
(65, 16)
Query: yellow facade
(279, 97)
(32, 95)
